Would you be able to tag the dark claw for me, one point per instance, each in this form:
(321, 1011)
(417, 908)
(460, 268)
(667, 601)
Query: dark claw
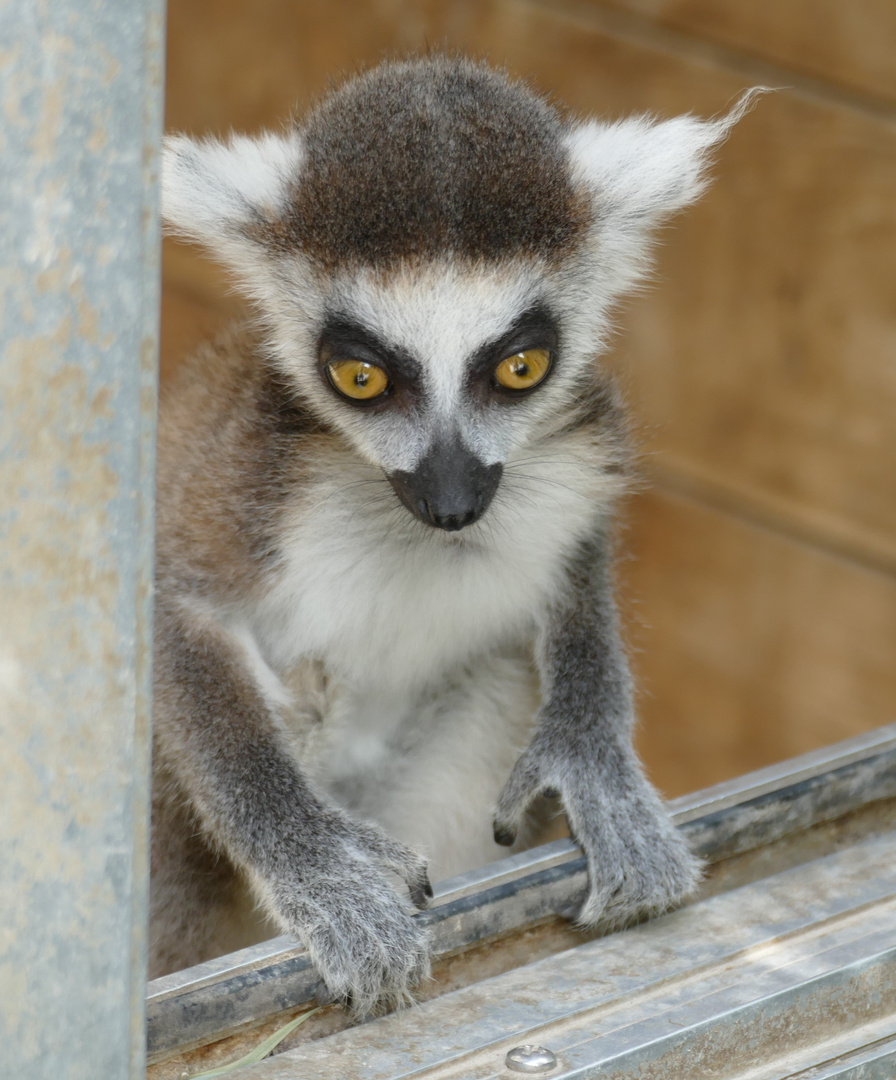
(421, 893)
(551, 793)
(505, 835)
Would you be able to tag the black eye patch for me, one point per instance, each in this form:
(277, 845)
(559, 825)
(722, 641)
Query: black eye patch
(534, 329)
(345, 339)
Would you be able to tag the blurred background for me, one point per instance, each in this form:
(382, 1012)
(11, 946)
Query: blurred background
(759, 562)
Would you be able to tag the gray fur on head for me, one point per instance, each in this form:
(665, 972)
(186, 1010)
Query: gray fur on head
(435, 157)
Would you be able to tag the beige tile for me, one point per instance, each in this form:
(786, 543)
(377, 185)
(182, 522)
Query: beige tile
(766, 357)
(748, 647)
(847, 42)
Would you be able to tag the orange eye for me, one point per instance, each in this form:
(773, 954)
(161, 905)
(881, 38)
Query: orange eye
(523, 370)
(357, 380)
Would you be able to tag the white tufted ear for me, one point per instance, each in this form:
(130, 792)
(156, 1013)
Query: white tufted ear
(640, 171)
(212, 190)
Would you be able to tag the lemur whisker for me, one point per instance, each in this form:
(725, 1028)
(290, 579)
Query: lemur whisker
(552, 483)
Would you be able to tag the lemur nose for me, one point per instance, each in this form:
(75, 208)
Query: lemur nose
(450, 488)
(453, 522)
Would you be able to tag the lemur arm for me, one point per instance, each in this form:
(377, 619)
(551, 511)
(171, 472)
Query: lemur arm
(582, 752)
(318, 872)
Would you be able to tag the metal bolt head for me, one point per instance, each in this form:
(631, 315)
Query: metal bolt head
(530, 1059)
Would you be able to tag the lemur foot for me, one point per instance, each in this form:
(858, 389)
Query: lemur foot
(639, 865)
(360, 934)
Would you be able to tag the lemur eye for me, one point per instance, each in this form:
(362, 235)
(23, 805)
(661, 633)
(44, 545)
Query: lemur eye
(357, 379)
(523, 370)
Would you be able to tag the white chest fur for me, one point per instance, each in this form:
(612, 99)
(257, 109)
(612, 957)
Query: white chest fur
(390, 604)
(428, 693)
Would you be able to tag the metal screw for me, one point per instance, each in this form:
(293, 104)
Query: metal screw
(531, 1059)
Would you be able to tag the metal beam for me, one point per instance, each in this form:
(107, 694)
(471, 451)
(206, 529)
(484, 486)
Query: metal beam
(778, 977)
(197, 1005)
(81, 85)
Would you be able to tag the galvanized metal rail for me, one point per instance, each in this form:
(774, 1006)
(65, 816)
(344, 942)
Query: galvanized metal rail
(81, 86)
(203, 1003)
(792, 973)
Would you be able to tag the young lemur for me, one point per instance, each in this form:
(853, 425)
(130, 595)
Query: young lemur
(385, 622)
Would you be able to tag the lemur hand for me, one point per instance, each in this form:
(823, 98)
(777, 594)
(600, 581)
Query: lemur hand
(638, 863)
(360, 934)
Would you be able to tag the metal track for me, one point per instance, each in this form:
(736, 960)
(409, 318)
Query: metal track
(792, 972)
(195, 1006)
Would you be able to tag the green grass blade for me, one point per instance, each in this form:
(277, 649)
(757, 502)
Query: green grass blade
(262, 1050)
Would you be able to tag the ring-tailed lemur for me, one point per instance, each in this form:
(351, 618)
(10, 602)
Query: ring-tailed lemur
(385, 621)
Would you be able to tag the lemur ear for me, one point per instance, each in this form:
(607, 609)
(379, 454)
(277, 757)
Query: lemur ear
(213, 191)
(639, 171)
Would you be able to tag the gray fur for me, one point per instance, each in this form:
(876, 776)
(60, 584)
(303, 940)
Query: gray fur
(444, 154)
(322, 872)
(582, 753)
(371, 614)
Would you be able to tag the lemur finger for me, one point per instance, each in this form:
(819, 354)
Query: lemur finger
(519, 791)
(505, 835)
(402, 860)
(594, 906)
(421, 892)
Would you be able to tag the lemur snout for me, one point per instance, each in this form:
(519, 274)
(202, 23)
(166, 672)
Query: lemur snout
(450, 488)
(450, 522)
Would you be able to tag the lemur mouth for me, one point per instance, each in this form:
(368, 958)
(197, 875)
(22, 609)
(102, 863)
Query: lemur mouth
(450, 488)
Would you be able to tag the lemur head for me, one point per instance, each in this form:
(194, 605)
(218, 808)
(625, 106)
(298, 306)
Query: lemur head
(436, 251)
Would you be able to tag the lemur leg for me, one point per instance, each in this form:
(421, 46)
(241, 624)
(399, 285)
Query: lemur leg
(582, 751)
(319, 874)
